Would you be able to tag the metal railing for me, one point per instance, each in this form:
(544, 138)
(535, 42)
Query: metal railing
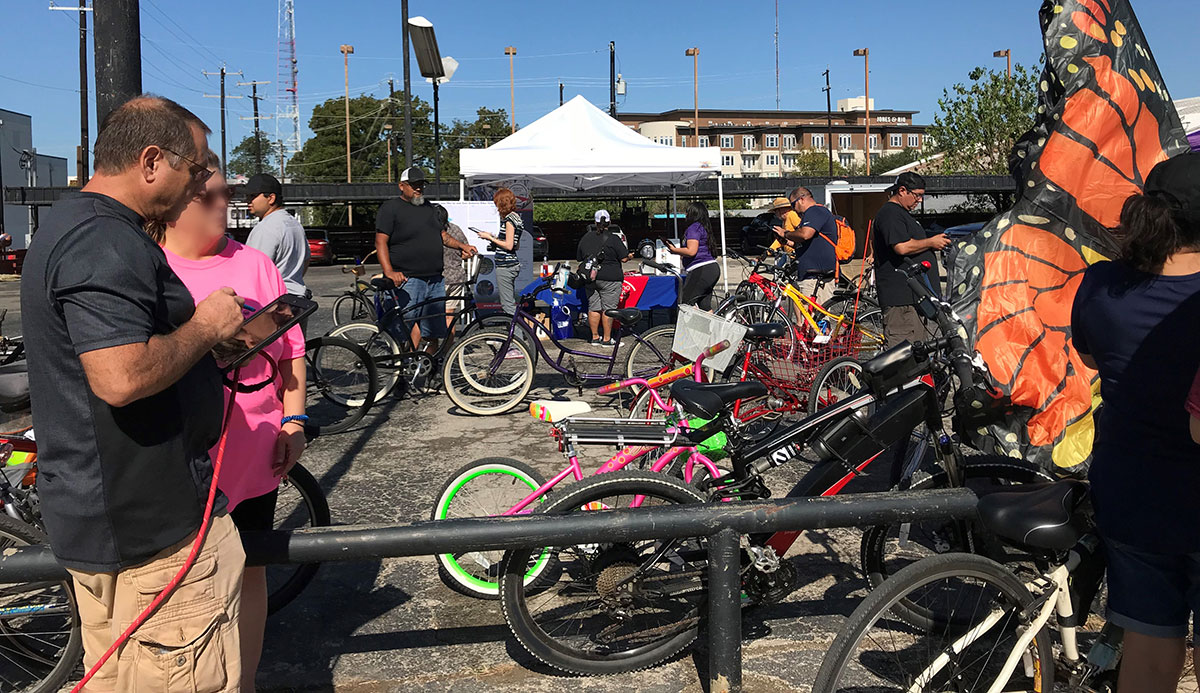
(722, 523)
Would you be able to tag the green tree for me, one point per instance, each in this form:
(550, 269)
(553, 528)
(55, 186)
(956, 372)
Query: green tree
(472, 134)
(895, 160)
(979, 122)
(814, 162)
(246, 155)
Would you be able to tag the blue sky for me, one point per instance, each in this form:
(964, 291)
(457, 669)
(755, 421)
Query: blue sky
(917, 49)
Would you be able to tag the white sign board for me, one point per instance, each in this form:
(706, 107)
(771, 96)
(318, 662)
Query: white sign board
(481, 215)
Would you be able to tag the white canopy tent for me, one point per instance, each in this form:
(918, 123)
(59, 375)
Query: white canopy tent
(579, 147)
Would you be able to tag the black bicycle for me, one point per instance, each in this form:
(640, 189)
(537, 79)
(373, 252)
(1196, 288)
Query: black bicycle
(622, 606)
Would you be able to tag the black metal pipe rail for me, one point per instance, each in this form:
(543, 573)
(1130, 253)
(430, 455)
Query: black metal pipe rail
(722, 522)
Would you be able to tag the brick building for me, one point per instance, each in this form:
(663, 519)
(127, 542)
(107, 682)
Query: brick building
(766, 144)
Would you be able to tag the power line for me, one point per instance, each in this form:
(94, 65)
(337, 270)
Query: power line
(185, 32)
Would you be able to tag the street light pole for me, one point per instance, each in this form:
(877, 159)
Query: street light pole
(510, 51)
(695, 53)
(866, 55)
(1007, 55)
(409, 159)
(346, 50)
(612, 79)
(829, 122)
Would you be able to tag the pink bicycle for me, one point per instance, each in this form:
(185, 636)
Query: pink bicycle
(502, 486)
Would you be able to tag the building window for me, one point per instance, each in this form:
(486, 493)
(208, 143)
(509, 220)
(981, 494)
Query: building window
(726, 141)
(846, 159)
(747, 162)
(669, 140)
(703, 140)
(874, 157)
(727, 160)
(843, 141)
(789, 141)
(818, 141)
(772, 142)
(772, 160)
(914, 141)
(789, 161)
(747, 142)
(896, 140)
(874, 141)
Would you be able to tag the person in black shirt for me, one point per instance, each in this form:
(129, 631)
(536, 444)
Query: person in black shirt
(898, 240)
(408, 242)
(600, 254)
(127, 402)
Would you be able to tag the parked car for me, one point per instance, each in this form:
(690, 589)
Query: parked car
(963, 230)
(758, 233)
(541, 246)
(319, 249)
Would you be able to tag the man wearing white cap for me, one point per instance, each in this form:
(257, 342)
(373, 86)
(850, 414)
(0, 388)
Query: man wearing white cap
(600, 254)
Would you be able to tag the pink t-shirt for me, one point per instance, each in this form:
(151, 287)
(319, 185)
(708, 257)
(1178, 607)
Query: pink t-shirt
(253, 428)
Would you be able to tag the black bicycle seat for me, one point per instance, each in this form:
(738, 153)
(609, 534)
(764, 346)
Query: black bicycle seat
(710, 399)
(383, 283)
(627, 316)
(14, 382)
(766, 330)
(1041, 516)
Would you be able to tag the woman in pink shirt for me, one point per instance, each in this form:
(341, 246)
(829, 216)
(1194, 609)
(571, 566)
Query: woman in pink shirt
(266, 431)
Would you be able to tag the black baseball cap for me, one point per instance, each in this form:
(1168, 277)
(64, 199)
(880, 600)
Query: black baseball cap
(411, 175)
(907, 180)
(263, 184)
(1174, 181)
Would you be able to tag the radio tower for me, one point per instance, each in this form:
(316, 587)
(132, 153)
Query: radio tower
(287, 102)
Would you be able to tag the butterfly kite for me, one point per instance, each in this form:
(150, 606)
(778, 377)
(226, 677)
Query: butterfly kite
(1104, 120)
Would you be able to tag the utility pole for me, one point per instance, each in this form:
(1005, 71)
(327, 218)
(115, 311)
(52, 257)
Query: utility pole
(222, 96)
(258, 152)
(117, 43)
(560, 93)
(511, 51)
(829, 121)
(866, 56)
(408, 145)
(777, 55)
(612, 79)
(282, 158)
(388, 127)
(346, 50)
(81, 157)
(695, 53)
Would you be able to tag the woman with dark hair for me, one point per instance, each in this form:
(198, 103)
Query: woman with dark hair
(698, 260)
(508, 266)
(1137, 321)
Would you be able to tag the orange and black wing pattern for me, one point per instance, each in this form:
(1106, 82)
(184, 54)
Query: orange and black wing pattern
(1104, 120)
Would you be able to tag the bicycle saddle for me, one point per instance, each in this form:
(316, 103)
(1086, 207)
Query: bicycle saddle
(766, 330)
(14, 383)
(627, 316)
(555, 410)
(710, 399)
(1042, 516)
(383, 283)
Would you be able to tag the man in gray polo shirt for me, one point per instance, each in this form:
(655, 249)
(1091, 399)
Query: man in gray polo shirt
(277, 234)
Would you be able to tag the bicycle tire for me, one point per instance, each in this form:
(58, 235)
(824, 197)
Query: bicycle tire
(543, 645)
(500, 393)
(64, 658)
(643, 361)
(875, 547)
(827, 390)
(324, 416)
(525, 480)
(352, 307)
(872, 340)
(843, 653)
(316, 509)
(379, 345)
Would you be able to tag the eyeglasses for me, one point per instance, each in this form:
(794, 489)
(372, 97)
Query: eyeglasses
(251, 197)
(208, 198)
(415, 184)
(917, 194)
(199, 172)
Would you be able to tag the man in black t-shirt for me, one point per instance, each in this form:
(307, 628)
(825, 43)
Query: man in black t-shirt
(409, 238)
(127, 402)
(601, 251)
(899, 240)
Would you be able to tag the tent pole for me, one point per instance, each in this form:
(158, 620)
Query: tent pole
(462, 189)
(674, 213)
(724, 246)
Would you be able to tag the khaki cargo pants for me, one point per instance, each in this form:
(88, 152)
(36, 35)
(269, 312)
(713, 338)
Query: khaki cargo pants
(191, 643)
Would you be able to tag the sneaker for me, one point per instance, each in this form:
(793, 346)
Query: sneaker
(513, 354)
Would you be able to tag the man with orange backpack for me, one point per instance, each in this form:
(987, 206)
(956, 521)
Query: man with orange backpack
(818, 245)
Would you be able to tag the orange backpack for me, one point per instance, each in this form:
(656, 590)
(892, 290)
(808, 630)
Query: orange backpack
(844, 248)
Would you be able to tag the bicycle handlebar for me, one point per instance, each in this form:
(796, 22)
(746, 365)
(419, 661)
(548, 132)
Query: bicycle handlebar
(952, 332)
(670, 376)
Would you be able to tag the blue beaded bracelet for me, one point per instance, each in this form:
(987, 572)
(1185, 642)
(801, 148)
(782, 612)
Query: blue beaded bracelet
(298, 417)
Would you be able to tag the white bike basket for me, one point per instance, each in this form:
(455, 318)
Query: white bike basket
(697, 330)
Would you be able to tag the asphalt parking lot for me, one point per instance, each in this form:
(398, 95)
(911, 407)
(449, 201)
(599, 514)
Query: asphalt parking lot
(391, 625)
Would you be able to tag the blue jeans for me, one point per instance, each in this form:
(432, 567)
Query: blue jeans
(433, 316)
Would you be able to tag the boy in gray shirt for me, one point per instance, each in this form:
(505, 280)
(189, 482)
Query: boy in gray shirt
(277, 234)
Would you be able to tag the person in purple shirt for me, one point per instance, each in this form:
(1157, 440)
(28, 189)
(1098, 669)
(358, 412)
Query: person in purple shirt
(701, 268)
